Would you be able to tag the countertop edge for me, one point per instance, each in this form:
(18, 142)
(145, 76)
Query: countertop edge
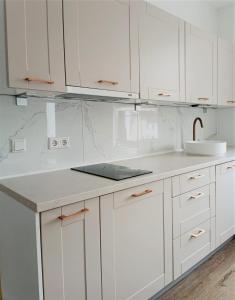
(21, 199)
(73, 198)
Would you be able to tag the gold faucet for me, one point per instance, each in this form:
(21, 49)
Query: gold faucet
(194, 127)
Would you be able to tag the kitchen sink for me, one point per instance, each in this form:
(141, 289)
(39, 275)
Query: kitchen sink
(206, 147)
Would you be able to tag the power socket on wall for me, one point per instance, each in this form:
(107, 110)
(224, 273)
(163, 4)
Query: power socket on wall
(58, 143)
(18, 145)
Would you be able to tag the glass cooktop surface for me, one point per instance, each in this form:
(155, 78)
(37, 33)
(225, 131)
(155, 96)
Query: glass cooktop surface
(111, 171)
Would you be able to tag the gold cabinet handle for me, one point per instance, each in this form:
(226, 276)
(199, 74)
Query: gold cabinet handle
(199, 233)
(197, 177)
(76, 214)
(230, 167)
(164, 94)
(231, 101)
(107, 82)
(199, 195)
(203, 99)
(39, 80)
(148, 191)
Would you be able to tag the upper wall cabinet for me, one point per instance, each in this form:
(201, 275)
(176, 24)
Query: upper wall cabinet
(225, 73)
(201, 66)
(161, 55)
(101, 45)
(35, 44)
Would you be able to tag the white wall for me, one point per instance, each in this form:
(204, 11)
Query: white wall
(203, 14)
(98, 132)
(199, 13)
(226, 22)
(226, 125)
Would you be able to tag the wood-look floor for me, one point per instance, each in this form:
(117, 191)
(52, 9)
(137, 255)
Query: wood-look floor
(213, 280)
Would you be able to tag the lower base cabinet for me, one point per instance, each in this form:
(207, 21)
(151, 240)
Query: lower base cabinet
(71, 252)
(225, 202)
(130, 244)
(125, 245)
(135, 232)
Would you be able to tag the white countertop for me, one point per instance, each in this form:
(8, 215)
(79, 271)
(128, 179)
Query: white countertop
(46, 191)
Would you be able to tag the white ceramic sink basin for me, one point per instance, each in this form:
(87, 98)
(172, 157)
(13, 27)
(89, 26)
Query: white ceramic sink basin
(206, 147)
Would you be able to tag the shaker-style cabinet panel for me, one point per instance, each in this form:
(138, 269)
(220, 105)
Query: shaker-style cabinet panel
(161, 55)
(192, 246)
(225, 202)
(101, 45)
(135, 233)
(225, 73)
(201, 66)
(35, 44)
(71, 252)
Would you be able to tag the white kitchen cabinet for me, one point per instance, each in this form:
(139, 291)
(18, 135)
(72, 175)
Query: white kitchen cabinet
(101, 45)
(193, 218)
(201, 66)
(71, 252)
(225, 202)
(161, 55)
(136, 230)
(35, 44)
(225, 73)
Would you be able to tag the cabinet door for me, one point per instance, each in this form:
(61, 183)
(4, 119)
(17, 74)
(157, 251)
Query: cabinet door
(71, 252)
(161, 55)
(132, 243)
(35, 44)
(225, 73)
(225, 202)
(201, 66)
(101, 44)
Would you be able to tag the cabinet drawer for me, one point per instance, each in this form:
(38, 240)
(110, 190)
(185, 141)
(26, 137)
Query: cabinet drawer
(137, 193)
(191, 181)
(193, 246)
(191, 209)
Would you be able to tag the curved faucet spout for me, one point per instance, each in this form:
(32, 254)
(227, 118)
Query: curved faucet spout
(194, 127)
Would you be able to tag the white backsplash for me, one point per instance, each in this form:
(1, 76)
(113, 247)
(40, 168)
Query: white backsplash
(98, 132)
(226, 125)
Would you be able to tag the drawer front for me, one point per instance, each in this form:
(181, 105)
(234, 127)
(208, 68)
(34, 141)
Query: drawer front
(193, 246)
(138, 193)
(194, 180)
(191, 209)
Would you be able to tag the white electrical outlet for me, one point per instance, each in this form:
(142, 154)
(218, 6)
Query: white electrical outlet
(58, 143)
(21, 101)
(64, 142)
(53, 143)
(18, 145)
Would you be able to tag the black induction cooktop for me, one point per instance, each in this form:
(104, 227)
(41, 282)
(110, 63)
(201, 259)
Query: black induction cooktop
(111, 171)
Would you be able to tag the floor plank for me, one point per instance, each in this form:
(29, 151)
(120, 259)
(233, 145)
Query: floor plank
(213, 280)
